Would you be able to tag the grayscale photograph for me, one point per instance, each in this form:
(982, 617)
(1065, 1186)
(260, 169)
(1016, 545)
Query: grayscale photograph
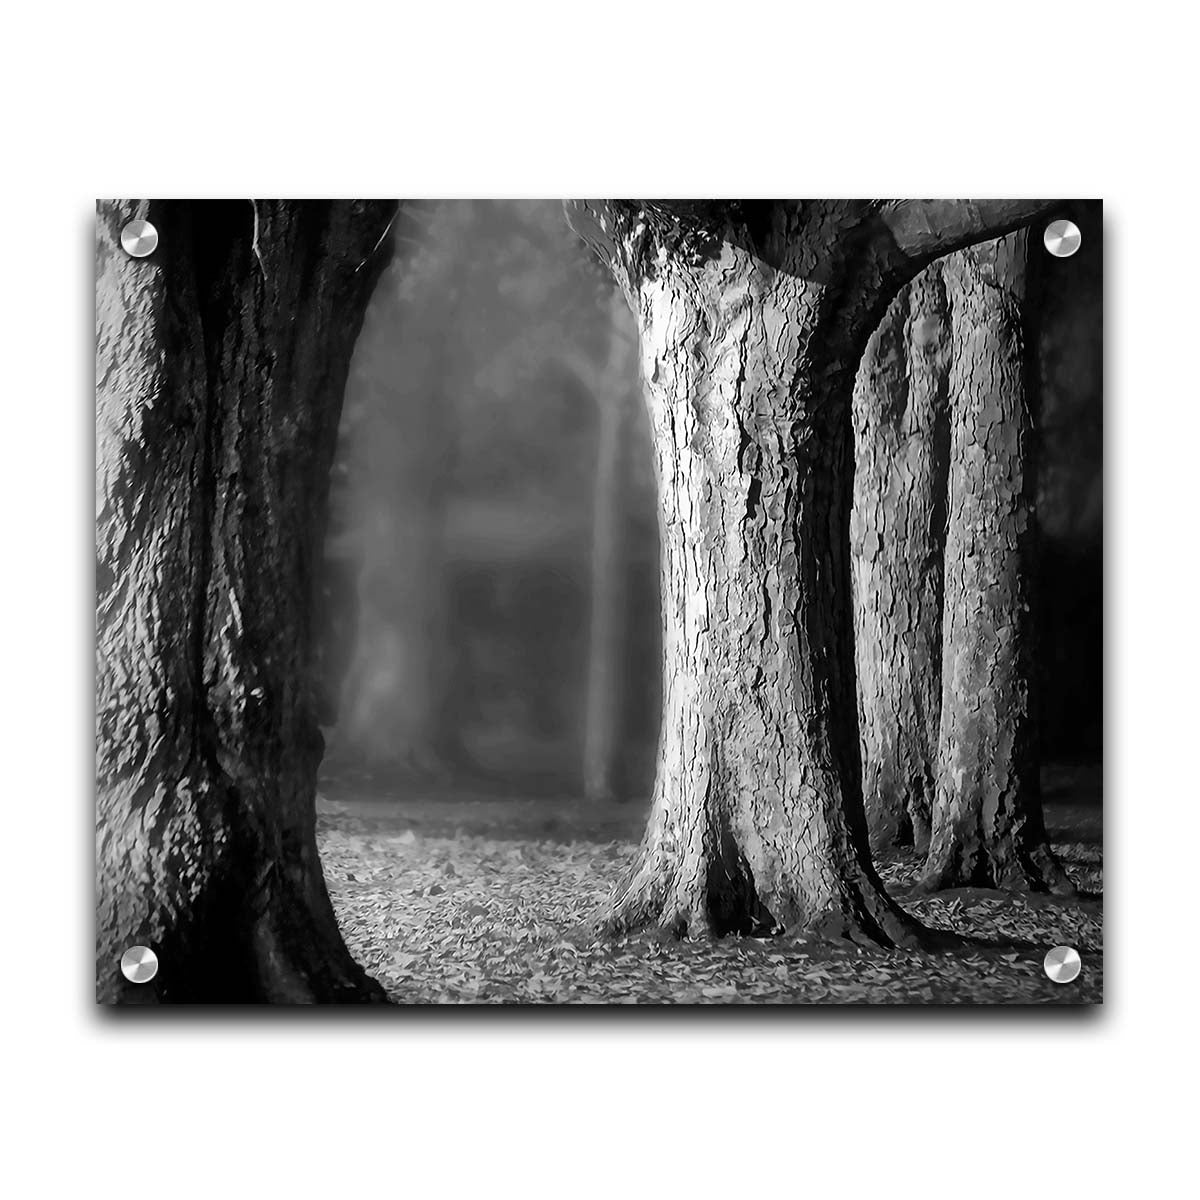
(599, 602)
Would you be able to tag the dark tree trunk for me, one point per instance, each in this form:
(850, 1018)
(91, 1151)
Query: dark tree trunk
(987, 822)
(221, 363)
(897, 529)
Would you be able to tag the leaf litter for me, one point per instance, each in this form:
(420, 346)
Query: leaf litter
(495, 903)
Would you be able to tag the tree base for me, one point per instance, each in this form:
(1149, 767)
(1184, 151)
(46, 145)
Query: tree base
(897, 814)
(279, 946)
(955, 866)
(292, 950)
(722, 901)
(904, 834)
(296, 961)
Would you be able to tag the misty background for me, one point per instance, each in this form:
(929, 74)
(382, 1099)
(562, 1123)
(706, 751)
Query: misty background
(489, 611)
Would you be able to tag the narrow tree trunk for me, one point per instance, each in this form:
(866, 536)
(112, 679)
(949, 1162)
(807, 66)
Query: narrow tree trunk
(614, 386)
(221, 362)
(987, 822)
(897, 529)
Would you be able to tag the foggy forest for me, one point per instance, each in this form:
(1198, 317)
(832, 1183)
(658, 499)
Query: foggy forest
(599, 602)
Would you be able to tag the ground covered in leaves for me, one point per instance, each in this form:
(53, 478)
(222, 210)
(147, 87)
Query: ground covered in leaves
(447, 898)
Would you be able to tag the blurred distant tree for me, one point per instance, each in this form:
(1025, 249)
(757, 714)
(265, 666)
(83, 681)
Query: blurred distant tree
(753, 318)
(571, 335)
(987, 815)
(221, 361)
(400, 434)
(614, 386)
(897, 530)
(488, 385)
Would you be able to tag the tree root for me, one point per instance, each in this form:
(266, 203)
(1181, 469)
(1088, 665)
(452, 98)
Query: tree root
(866, 917)
(1036, 870)
(279, 946)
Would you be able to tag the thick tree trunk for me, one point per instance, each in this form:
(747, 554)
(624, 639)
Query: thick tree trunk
(221, 362)
(614, 387)
(897, 529)
(753, 319)
(754, 822)
(987, 821)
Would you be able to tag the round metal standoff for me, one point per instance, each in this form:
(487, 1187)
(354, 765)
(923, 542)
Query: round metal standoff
(139, 239)
(139, 964)
(1062, 238)
(1063, 964)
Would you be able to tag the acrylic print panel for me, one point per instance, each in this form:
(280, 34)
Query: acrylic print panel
(594, 602)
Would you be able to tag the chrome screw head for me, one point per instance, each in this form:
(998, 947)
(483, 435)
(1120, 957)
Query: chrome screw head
(1062, 238)
(139, 964)
(139, 239)
(1063, 964)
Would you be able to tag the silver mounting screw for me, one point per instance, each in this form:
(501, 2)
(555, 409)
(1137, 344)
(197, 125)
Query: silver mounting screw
(1063, 964)
(139, 239)
(1062, 238)
(139, 964)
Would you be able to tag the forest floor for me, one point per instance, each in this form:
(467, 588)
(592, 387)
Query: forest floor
(456, 898)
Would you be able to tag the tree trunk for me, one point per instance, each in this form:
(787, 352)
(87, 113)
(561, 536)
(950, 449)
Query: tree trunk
(754, 822)
(221, 363)
(614, 386)
(987, 822)
(753, 318)
(897, 529)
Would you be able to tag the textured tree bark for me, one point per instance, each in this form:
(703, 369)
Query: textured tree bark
(612, 389)
(987, 821)
(753, 319)
(897, 529)
(221, 362)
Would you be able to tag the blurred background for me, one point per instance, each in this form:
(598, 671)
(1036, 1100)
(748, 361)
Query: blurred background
(488, 611)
